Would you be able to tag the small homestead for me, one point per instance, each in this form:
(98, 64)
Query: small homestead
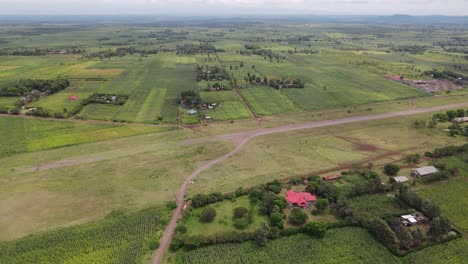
(413, 219)
(461, 119)
(301, 199)
(400, 179)
(73, 98)
(192, 112)
(423, 171)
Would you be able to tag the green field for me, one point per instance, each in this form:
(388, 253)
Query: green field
(451, 197)
(267, 101)
(25, 135)
(231, 106)
(377, 205)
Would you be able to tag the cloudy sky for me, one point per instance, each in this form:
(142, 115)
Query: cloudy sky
(214, 7)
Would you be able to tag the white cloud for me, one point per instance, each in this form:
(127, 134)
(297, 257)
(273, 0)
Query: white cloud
(418, 7)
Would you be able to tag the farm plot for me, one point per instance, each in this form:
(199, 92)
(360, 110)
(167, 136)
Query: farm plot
(377, 205)
(231, 106)
(35, 134)
(331, 83)
(343, 245)
(7, 102)
(267, 101)
(451, 197)
(119, 238)
(152, 86)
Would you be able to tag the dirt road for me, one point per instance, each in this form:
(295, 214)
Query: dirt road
(242, 138)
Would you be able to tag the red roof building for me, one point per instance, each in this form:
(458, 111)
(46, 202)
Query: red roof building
(301, 199)
(73, 98)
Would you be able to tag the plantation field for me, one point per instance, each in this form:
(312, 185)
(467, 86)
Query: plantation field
(451, 197)
(452, 252)
(25, 135)
(267, 101)
(118, 238)
(377, 205)
(343, 245)
(7, 102)
(223, 221)
(231, 108)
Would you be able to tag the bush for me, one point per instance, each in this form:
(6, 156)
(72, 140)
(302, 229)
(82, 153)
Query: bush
(241, 223)
(3, 110)
(171, 205)
(316, 229)
(391, 169)
(297, 217)
(181, 229)
(154, 244)
(240, 212)
(322, 204)
(276, 220)
(207, 215)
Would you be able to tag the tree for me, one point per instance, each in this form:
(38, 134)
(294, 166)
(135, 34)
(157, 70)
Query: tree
(281, 202)
(199, 200)
(316, 229)
(276, 219)
(154, 244)
(262, 233)
(380, 229)
(297, 217)
(404, 236)
(413, 158)
(430, 209)
(451, 114)
(240, 212)
(440, 226)
(461, 113)
(268, 203)
(440, 117)
(241, 223)
(418, 237)
(391, 169)
(207, 215)
(321, 204)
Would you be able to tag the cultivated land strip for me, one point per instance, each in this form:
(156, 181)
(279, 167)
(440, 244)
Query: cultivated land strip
(242, 138)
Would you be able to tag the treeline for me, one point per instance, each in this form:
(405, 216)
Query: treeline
(39, 52)
(444, 74)
(193, 49)
(119, 52)
(267, 54)
(25, 86)
(413, 49)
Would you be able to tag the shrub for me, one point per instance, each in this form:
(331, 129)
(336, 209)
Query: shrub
(413, 158)
(154, 244)
(297, 217)
(240, 212)
(181, 229)
(276, 220)
(241, 223)
(207, 215)
(316, 229)
(322, 204)
(171, 205)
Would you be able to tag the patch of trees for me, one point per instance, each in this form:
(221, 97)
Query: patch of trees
(193, 49)
(242, 217)
(447, 151)
(26, 86)
(212, 73)
(267, 54)
(119, 52)
(289, 82)
(444, 74)
(207, 215)
(189, 99)
(391, 169)
(413, 49)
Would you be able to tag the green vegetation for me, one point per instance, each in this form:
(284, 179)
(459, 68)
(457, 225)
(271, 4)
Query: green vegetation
(344, 245)
(27, 135)
(267, 101)
(118, 238)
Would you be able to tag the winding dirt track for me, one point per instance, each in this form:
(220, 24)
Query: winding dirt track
(242, 138)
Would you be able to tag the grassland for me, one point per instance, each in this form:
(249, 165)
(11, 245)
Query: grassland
(77, 184)
(308, 152)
